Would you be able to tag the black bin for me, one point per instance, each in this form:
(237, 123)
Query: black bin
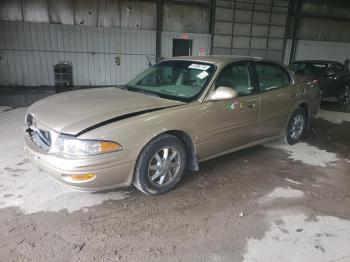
(63, 74)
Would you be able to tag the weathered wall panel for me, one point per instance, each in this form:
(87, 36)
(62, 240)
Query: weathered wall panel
(326, 20)
(102, 13)
(182, 18)
(109, 13)
(35, 11)
(29, 51)
(86, 12)
(61, 12)
(10, 10)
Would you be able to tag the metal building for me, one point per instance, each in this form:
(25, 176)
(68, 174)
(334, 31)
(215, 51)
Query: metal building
(107, 42)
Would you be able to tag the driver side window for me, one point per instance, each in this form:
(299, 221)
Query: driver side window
(238, 78)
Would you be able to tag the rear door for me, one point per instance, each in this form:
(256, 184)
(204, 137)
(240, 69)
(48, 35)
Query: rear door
(277, 98)
(331, 81)
(231, 123)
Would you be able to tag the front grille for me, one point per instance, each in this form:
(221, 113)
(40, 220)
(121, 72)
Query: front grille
(40, 137)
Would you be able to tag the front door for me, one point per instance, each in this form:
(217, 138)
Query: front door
(277, 98)
(182, 47)
(232, 123)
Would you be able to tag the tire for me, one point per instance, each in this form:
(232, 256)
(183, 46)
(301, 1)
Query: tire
(295, 129)
(344, 97)
(155, 175)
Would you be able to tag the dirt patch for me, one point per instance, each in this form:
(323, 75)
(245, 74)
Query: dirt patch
(330, 137)
(211, 216)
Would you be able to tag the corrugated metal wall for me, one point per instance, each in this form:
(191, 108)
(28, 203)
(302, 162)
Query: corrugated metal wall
(326, 20)
(108, 13)
(198, 41)
(29, 50)
(306, 49)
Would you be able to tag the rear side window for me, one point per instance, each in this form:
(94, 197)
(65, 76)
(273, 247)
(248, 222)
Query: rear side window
(271, 76)
(339, 68)
(238, 78)
(308, 68)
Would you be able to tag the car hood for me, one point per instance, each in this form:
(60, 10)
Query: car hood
(72, 112)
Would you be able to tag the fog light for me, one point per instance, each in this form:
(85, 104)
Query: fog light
(79, 178)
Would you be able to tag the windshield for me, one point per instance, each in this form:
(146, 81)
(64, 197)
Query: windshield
(308, 68)
(177, 80)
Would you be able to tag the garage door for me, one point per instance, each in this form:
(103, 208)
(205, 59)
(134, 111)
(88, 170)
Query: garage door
(251, 27)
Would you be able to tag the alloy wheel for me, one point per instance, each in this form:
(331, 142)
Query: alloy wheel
(297, 126)
(164, 166)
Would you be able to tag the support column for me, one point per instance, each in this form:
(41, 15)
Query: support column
(159, 30)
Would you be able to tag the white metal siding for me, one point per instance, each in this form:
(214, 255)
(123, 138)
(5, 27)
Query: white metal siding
(28, 52)
(316, 50)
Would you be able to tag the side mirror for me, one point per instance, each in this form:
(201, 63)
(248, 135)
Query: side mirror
(223, 93)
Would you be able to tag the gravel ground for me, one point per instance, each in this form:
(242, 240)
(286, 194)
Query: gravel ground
(267, 203)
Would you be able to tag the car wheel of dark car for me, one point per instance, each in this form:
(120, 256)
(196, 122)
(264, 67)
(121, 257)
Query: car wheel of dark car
(160, 165)
(344, 98)
(296, 127)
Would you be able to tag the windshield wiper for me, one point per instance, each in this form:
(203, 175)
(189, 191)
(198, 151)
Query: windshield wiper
(138, 90)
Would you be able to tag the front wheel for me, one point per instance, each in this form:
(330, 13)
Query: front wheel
(296, 127)
(160, 165)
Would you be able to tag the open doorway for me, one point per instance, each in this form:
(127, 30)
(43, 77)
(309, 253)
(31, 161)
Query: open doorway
(182, 47)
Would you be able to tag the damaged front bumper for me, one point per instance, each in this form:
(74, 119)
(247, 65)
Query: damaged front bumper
(109, 170)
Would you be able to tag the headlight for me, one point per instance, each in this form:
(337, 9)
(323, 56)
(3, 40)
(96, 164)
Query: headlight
(81, 147)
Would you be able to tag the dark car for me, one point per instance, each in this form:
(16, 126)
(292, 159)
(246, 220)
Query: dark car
(333, 77)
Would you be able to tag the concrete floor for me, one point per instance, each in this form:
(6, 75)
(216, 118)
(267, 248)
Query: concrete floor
(267, 203)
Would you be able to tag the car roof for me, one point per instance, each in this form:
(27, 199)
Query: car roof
(221, 59)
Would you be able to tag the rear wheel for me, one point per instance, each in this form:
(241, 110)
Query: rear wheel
(296, 127)
(344, 97)
(160, 165)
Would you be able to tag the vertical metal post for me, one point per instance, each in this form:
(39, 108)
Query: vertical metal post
(297, 18)
(269, 30)
(288, 29)
(22, 12)
(233, 27)
(212, 23)
(159, 28)
(251, 28)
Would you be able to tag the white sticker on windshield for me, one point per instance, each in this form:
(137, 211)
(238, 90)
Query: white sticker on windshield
(199, 66)
(202, 75)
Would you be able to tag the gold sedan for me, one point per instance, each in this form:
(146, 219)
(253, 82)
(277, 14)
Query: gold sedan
(172, 116)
